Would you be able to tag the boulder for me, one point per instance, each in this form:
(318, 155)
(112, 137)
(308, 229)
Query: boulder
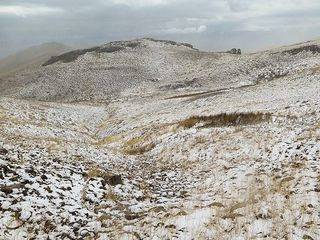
(234, 51)
(3, 151)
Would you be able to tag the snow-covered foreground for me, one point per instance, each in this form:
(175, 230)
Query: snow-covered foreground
(240, 163)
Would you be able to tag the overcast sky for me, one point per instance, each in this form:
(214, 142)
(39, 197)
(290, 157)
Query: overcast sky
(208, 24)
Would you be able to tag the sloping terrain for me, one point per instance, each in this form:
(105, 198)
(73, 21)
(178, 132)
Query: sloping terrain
(189, 145)
(137, 67)
(30, 58)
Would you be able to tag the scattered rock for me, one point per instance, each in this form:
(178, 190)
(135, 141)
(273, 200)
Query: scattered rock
(3, 151)
(115, 180)
(234, 51)
(9, 189)
(131, 216)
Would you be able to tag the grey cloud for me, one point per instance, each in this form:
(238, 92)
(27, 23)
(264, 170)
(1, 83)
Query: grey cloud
(211, 25)
(238, 5)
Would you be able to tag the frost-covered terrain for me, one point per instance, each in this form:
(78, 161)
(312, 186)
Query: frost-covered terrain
(151, 139)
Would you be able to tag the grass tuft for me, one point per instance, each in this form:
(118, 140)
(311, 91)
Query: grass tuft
(226, 120)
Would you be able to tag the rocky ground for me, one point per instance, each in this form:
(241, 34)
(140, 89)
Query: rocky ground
(226, 148)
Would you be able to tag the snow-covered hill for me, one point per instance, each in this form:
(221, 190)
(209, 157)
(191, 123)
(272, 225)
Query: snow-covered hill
(152, 139)
(144, 66)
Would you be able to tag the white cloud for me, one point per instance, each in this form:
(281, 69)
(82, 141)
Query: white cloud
(202, 29)
(187, 30)
(24, 11)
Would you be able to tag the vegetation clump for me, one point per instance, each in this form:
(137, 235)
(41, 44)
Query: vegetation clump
(111, 179)
(226, 119)
(136, 146)
(73, 55)
(310, 48)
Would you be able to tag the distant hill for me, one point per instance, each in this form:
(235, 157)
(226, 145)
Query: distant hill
(31, 57)
(123, 69)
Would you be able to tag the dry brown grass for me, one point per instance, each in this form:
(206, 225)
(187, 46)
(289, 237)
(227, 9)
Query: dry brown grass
(310, 133)
(138, 150)
(111, 195)
(138, 145)
(315, 69)
(134, 141)
(108, 140)
(111, 179)
(200, 140)
(2, 115)
(226, 120)
(247, 205)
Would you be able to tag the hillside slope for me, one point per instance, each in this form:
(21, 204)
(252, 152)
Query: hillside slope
(215, 146)
(142, 66)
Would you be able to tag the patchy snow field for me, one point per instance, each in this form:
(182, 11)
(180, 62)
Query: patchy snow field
(207, 161)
